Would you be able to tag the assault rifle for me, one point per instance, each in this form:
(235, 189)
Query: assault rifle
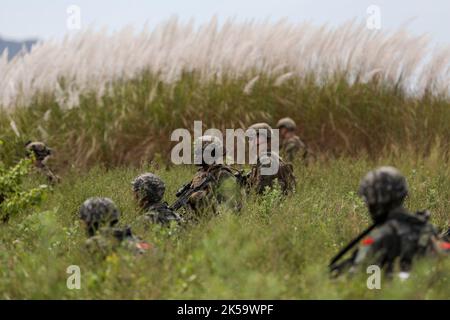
(241, 177)
(184, 193)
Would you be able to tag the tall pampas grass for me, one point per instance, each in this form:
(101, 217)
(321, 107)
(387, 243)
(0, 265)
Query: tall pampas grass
(91, 61)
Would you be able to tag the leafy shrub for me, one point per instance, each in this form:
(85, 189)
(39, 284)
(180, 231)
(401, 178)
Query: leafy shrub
(13, 197)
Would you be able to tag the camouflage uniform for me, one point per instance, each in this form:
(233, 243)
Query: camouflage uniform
(41, 153)
(399, 236)
(222, 187)
(292, 146)
(100, 216)
(108, 240)
(284, 175)
(149, 190)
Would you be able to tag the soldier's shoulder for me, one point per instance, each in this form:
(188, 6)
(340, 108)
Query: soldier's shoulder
(225, 171)
(295, 141)
(161, 213)
(100, 243)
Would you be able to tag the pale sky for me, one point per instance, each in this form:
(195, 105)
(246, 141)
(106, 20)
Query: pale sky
(20, 19)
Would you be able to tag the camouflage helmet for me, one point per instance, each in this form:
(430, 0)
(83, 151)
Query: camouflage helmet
(214, 147)
(149, 187)
(99, 212)
(39, 149)
(262, 128)
(384, 187)
(287, 123)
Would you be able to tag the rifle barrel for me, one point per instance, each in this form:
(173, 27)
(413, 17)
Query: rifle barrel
(351, 245)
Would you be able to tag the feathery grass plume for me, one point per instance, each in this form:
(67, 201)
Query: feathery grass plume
(92, 60)
(281, 79)
(115, 98)
(13, 125)
(249, 86)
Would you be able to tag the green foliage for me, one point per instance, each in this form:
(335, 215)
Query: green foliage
(134, 122)
(270, 201)
(13, 197)
(274, 249)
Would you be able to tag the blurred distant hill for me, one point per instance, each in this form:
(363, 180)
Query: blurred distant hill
(14, 47)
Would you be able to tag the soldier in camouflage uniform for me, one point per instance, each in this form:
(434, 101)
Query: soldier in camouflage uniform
(259, 180)
(100, 216)
(291, 146)
(215, 181)
(41, 153)
(399, 236)
(149, 192)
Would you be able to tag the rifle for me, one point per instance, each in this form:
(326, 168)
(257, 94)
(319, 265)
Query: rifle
(333, 264)
(241, 176)
(186, 191)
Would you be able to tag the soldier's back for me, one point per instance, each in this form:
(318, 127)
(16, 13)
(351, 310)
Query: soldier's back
(161, 213)
(293, 147)
(108, 240)
(222, 188)
(271, 168)
(400, 239)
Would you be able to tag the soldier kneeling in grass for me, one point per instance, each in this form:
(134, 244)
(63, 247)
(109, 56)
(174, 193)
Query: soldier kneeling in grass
(214, 185)
(149, 191)
(270, 167)
(397, 237)
(100, 216)
(291, 146)
(41, 153)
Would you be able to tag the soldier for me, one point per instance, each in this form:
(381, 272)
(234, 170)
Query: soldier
(100, 216)
(290, 144)
(41, 154)
(396, 236)
(213, 184)
(269, 165)
(149, 192)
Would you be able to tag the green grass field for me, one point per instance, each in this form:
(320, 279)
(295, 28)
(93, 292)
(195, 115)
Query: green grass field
(352, 107)
(272, 250)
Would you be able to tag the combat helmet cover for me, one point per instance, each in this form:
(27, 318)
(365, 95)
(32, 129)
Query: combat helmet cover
(149, 187)
(287, 123)
(99, 212)
(383, 187)
(39, 149)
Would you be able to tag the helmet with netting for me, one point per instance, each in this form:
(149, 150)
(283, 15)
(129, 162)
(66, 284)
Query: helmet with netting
(38, 149)
(98, 213)
(287, 123)
(149, 188)
(382, 189)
